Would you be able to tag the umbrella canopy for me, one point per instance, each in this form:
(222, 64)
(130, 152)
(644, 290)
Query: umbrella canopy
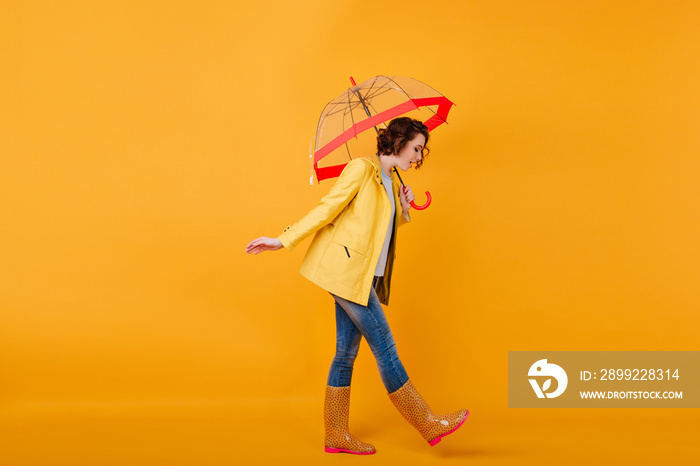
(342, 135)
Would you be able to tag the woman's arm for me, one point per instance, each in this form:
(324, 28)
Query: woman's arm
(261, 244)
(406, 196)
(329, 207)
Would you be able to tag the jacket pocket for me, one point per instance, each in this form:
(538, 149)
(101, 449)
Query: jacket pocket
(344, 264)
(352, 240)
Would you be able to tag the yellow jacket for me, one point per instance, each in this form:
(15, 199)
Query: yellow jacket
(351, 223)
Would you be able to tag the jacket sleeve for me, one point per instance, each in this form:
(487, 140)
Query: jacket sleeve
(340, 195)
(404, 218)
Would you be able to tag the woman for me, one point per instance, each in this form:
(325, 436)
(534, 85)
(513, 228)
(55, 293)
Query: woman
(351, 256)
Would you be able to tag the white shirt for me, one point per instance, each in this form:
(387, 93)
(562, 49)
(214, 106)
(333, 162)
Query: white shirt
(381, 264)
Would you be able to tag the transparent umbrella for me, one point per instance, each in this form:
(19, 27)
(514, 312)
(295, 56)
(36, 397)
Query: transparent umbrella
(342, 132)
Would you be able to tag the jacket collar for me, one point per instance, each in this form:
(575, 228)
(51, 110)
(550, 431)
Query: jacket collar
(375, 161)
(377, 168)
(378, 174)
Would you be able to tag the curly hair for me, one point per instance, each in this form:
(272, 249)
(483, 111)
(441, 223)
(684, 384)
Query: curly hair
(393, 138)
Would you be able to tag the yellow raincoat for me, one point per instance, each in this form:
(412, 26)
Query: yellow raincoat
(351, 223)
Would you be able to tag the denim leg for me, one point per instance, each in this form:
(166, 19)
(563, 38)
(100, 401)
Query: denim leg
(372, 323)
(346, 347)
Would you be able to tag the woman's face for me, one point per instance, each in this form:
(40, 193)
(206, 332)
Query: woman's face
(412, 153)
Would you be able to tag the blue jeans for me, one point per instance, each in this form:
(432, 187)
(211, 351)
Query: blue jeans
(353, 321)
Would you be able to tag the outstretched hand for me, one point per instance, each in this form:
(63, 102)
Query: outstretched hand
(406, 197)
(263, 243)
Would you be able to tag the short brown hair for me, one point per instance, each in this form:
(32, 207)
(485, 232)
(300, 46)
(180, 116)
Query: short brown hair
(393, 138)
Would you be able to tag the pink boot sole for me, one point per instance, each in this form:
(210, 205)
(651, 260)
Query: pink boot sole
(339, 450)
(436, 440)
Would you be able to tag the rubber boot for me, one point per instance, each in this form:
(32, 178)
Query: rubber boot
(335, 415)
(417, 412)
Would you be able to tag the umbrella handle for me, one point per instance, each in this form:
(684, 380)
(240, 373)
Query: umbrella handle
(424, 206)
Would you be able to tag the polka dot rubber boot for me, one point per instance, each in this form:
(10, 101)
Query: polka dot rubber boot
(431, 426)
(335, 415)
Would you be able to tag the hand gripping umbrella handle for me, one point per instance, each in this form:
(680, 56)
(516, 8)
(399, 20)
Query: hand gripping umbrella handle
(413, 204)
(424, 206)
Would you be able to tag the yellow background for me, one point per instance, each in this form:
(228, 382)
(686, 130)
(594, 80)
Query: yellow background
(144, 144)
